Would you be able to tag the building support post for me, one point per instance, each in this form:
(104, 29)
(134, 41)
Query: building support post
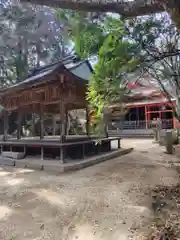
(41, 122)
(62, 129)
(146, 117)
(42, 128)
(105, 119)
(137, 114)
(66, 122)
(54, 124)
(33, 125)
(87, 122)
(106, 130)
(19, 125)
(5, 125)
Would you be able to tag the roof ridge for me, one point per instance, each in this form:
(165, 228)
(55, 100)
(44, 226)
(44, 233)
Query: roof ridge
(36, 71)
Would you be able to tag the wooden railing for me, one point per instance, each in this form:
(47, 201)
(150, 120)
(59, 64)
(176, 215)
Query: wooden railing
(121, 125)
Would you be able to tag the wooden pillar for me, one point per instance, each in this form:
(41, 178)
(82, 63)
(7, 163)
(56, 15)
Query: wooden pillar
(137, 114)
(105, 126)
(41, 121)
(33, 125)
(175, 122)
(54, 124)
(66, 122)
(19, 125)
(146, 117)
(87, 122)
(5, 125)
(105, 120)
(62, 129)
(106, 129)
(62, 120)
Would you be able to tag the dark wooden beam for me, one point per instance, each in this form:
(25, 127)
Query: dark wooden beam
(54, 124)
(66, 122)
(5, 125)
(87, 122)
(19, 124)
(127, 9)
(62, 120)
(41, 121)
(33, 124)
(62, 129)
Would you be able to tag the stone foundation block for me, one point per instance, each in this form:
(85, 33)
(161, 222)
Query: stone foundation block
(14, 155)
(7, 161)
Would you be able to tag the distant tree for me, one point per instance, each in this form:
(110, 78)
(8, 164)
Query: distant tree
(162, 62)
(30, 37)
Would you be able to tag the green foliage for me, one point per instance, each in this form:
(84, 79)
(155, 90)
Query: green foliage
(85, 31)
(115, 60)
(105, 37)
(126, 46)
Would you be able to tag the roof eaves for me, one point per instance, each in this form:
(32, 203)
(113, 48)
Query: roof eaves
(30, 81)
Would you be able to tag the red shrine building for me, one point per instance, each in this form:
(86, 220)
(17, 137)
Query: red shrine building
(145, 103)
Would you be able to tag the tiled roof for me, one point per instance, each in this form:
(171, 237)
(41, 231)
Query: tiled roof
(81, 69)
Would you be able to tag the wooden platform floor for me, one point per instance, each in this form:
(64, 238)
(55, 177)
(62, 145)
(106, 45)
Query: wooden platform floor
(75, 147)
(69, 138)
(57, 167)
(52, 140)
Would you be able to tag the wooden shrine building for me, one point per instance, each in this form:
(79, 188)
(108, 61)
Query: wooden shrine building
(145, 103)
(54, 89)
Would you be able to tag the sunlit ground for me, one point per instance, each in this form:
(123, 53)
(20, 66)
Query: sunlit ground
(15, 181)
(5, 212)
(101, 202)
(51, 197)
(3, 173)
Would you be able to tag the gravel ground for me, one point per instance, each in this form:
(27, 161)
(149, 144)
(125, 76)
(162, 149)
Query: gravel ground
(110, 200)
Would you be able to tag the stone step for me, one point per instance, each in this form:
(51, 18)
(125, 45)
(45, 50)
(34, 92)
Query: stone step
(13, 155)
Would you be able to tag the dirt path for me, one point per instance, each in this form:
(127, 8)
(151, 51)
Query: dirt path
(110, 200)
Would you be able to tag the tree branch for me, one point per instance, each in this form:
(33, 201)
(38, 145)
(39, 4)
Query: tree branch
(164, 92)
(125, 8)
